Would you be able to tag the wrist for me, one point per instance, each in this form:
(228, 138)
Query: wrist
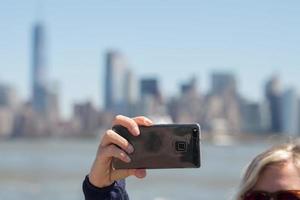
(98, 182)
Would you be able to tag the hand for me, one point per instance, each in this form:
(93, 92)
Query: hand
(113, 145)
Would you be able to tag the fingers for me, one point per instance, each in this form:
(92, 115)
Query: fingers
(111, 137)
(128, 123)
(144, 121)
(124, 173)
(140, 173)
(112, 151)
(132, 123)
(115, 146)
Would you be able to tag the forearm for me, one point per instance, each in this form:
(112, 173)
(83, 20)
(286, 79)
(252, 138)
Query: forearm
(116, 191)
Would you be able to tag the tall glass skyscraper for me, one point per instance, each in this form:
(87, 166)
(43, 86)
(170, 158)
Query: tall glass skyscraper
(115, 82)
(290, 113)
(273, 96)
(39, 69)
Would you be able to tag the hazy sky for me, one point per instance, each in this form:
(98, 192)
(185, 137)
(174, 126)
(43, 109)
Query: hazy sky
(172, 39)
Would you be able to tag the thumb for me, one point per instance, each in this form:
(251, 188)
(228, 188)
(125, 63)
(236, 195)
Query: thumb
(124, 173)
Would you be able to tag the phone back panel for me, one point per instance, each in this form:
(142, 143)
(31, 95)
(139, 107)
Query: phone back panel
(162, 146)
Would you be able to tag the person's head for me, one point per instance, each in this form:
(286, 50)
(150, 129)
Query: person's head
(275, 170)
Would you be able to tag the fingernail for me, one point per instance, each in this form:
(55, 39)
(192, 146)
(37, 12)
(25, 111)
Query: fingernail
(128, 159)
(148, 121)
(140, 173)
(136, 130)
(130, 149)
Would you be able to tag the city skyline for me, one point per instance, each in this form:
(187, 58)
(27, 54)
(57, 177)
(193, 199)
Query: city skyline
(246, 48)
(220, 110)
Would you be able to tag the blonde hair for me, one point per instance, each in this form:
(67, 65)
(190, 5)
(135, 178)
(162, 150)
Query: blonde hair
(277, 154)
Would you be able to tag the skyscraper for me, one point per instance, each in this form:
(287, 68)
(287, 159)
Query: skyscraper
(223, 83)
(39, 70)
(8, 96)
(149, 87)
(87, 116)
(187, 108)
(273, 96)
(115, 82)
(189, 87)
(251, 117)
(132, 88)
(224, 103)
(152, 103)
(290, 113)
(8, 107)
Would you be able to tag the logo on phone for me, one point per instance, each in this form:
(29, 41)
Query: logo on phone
(180, 146)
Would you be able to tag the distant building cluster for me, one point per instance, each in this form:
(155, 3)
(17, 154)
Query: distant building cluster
(221, 110)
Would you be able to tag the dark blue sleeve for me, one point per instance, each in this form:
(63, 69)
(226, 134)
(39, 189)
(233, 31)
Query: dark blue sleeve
(116, 191)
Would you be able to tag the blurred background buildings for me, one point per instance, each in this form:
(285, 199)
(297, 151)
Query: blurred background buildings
(221, 110)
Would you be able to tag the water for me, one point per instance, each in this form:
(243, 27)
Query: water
(54, 169)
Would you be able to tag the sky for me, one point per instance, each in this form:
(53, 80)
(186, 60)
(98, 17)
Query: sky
(170, 39)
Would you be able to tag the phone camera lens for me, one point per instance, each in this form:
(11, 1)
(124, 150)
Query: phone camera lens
(195, 132)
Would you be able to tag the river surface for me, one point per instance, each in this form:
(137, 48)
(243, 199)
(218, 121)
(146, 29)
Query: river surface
(54, 169)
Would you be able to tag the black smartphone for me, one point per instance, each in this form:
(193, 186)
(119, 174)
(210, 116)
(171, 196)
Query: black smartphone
(162, 146)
